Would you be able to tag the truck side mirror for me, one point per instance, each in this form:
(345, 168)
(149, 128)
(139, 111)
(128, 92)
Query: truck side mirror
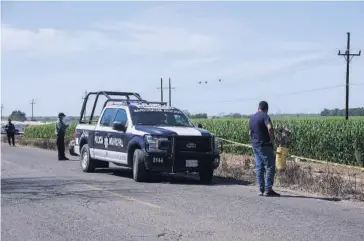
(199, 126)
(118, 126)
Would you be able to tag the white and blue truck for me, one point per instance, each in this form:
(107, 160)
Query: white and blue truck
(147, 137)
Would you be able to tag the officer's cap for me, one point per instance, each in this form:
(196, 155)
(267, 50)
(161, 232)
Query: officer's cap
(61, 114)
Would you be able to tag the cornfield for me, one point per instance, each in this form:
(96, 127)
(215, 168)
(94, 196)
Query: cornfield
(46, 131)
(330, 139)
(334, 140)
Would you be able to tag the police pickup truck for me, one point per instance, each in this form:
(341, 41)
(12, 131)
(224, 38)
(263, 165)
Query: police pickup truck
(146, 137)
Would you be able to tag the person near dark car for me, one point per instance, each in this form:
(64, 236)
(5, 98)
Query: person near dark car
(61, 128)
(262, 137)
(10, 131)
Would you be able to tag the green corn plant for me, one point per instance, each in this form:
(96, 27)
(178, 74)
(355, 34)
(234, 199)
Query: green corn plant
(328, 139)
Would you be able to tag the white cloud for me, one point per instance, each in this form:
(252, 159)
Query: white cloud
(155, 38)
(132, 37)
(205, 46)
(54, 40)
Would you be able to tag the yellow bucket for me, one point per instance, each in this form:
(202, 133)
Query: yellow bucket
(281, 157)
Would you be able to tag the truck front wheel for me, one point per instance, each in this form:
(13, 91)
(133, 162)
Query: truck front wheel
(71, 148)
(87, 163)
(206, 175)
(139, 169)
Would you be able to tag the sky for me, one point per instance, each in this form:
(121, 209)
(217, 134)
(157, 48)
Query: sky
(284, 53)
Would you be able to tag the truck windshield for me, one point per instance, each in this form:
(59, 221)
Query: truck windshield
(161, 117)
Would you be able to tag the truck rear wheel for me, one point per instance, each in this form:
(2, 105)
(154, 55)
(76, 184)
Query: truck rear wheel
(87, 163)
(140, 172)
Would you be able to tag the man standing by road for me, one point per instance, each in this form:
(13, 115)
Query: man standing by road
(61, 128)
(10, 131)
(262, 136)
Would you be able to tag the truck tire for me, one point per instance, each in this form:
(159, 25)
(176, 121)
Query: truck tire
(102, 164)
(139, 170)
(206, 175)
(87, 163)
(71, 148)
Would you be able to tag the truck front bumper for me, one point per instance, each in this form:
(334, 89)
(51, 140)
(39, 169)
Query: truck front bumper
(183, 162)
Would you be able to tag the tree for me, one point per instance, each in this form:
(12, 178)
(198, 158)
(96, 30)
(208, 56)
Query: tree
(199, 116)
(325, 112)
(341, 112)
(18, 115)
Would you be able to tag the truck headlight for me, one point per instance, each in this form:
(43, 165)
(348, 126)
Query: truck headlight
(156, 144)
(217, 145)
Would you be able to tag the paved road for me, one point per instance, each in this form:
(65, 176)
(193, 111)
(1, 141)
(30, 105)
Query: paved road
(44, 199)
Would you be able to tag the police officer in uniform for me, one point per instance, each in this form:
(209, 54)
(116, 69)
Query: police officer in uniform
(10, 131)
(61, 128)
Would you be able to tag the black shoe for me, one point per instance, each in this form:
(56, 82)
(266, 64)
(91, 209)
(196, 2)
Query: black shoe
(272, 193)
(63, 159)
(261, 192)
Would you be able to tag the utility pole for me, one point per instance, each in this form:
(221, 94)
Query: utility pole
(348, 57)
(170, 92)
(161, 88)
(32, 103)
(2, 107)
(170, 88)
(84, 113)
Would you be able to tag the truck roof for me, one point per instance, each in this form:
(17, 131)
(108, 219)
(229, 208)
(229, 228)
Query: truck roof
(117, 99)
(145, 105)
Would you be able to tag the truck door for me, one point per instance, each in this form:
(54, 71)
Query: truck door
(118, 140)
(101, 133)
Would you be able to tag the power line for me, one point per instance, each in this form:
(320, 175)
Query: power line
(2, 107)
(291, 93)
(32, 103)
(348, 57)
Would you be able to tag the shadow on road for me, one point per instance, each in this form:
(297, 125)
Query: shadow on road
(317, 198)
(70, 160)
(178, 179)
(36, 189)
(20, 190)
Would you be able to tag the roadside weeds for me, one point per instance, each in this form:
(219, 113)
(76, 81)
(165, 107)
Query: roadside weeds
(324, 179)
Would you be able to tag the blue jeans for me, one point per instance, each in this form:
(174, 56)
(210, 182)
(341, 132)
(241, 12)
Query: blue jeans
(265, 161)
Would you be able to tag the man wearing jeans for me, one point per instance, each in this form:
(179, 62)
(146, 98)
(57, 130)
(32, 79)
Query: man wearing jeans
(262, 136)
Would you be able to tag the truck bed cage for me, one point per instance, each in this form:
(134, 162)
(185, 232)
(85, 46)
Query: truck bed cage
(107, 94)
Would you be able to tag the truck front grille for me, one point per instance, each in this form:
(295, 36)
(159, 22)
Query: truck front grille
(193, 144)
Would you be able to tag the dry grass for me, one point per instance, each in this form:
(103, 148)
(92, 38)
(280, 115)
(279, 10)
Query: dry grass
(49, 144)
(324, 179)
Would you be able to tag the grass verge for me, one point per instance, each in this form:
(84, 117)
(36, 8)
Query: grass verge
(324, 179)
